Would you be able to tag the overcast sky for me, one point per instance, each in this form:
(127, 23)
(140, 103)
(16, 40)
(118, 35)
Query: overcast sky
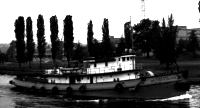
(118, 12)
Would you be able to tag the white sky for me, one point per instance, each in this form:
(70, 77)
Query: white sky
(118, 12)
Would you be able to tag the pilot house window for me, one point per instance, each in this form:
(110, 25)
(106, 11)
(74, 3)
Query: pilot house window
(106, 64)
(123, 58)
(127, 58)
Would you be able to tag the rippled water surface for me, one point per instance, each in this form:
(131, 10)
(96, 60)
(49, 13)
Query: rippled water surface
(11, 98)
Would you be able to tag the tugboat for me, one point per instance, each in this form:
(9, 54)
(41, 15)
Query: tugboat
(119, 78)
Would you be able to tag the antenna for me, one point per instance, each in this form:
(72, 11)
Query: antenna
(143, 9)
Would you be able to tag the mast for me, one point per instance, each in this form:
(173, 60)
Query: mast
(143, 9)
(131, 38)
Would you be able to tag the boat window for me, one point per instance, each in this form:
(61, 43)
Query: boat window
(72, 80)
(91, 79)
(119, 59)
(123, 58)
(106, 64)
(127, 58)
(95, 65)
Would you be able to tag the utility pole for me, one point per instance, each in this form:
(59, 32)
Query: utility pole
(199, 8)
(143, 9)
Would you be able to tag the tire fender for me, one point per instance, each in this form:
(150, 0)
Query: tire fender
(55, 90)
(43, 90)
(119, 87)
(69, 90)
(82, 88)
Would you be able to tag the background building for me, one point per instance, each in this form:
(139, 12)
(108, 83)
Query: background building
(184, 33)
(114, 40)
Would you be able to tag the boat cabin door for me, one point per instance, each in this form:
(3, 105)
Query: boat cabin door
(91, 79)
(72, 80)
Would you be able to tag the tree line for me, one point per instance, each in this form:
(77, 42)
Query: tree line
(149, 37)
(146, 36)
(29, 46)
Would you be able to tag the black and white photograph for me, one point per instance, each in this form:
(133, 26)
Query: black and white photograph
(100, 54)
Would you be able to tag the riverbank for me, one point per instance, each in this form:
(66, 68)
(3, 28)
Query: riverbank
(11, 68)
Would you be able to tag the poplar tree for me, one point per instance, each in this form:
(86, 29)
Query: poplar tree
(20, 43)
(127, 33)
(68, 38)
(30, 41)
(90, 39)
(41, 39)
(54, 37)
(106, 39)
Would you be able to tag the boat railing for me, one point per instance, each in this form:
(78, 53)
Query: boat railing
(101, 70)
(108, 69)
(125, 67)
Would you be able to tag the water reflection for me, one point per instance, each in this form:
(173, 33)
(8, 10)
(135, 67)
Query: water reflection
(14, 98)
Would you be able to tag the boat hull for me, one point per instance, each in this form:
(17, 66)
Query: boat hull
(154, 91)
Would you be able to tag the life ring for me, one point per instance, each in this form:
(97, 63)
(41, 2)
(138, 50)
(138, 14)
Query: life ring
(82, 88)
(69, 90)
(119, 87)
(43, 90)
(55, 90)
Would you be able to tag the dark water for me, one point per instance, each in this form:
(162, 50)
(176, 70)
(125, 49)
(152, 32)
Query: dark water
(11, 98)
